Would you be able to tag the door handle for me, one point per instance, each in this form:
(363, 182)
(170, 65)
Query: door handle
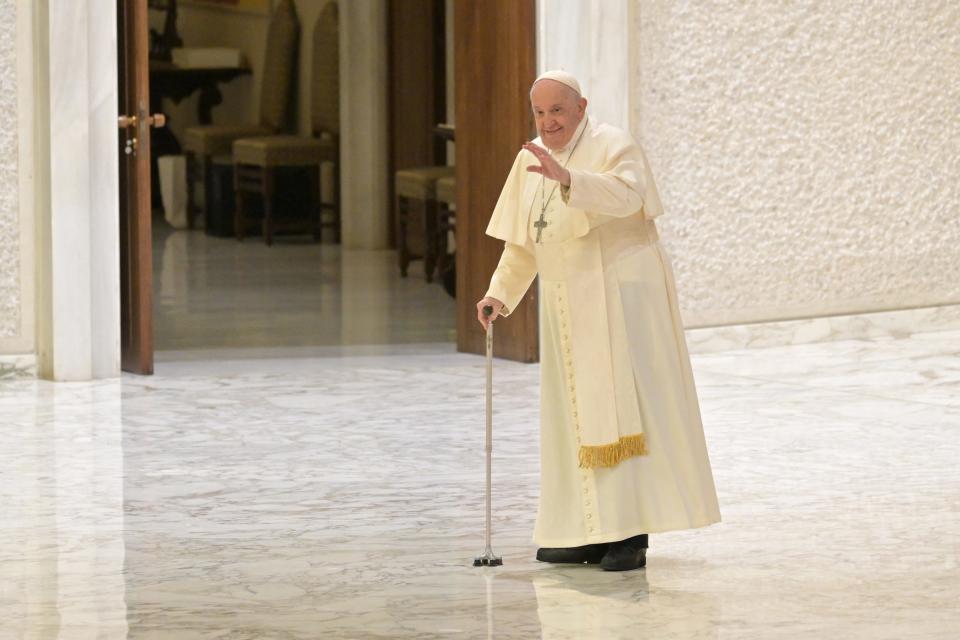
(156, 121)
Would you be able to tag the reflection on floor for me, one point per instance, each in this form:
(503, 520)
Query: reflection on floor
(341, 497)
(214, 293)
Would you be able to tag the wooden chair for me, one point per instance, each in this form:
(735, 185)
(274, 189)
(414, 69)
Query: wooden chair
(205, 142)
(416, 190)
(256, 160)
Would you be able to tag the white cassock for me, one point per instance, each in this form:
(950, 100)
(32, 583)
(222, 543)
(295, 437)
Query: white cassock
(621, 440)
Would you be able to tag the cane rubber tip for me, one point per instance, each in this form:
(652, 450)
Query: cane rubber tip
(488, 311)
(487, 561)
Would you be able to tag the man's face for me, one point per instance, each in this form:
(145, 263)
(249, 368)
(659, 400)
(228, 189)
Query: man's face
(557, 110)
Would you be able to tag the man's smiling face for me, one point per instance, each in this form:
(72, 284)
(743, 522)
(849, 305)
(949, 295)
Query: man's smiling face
(558, 110)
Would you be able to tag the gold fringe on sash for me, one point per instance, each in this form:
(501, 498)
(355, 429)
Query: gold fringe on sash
(609, 455)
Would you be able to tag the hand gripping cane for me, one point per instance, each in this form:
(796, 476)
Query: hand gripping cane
(487, 558)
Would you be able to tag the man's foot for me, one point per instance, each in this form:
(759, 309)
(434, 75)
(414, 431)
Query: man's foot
(591, 554)
(626, 555)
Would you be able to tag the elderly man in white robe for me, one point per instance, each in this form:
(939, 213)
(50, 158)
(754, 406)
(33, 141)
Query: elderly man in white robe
(621, 440)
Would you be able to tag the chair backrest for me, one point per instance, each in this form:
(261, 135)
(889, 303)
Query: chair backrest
(325, 75)
(279, 65)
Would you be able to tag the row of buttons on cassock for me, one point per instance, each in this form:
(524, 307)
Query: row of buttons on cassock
(572, 389)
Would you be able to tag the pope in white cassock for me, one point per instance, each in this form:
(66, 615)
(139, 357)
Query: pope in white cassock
(621, 439)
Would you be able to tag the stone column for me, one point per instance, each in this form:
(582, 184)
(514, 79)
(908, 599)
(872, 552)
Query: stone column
(364, 116)
(76, 189)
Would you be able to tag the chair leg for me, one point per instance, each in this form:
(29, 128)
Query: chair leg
(266, 186)
(403, 253)
(429, 238)
(333, 206)
(239, 219)
(443, 214)
(337, 220)
(191, 159)
(207, 186)
(316, 201)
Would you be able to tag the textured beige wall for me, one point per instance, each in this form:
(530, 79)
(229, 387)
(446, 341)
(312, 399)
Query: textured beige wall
(11, 242)
(10, 294)
(808, 152)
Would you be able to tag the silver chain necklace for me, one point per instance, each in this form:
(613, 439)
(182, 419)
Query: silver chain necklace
(541, 224)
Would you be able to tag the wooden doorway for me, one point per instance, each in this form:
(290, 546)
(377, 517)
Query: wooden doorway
(136, 268)
(495, 56)
(417, 89)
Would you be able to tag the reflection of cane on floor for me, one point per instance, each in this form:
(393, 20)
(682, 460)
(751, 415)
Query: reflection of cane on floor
(487, 559)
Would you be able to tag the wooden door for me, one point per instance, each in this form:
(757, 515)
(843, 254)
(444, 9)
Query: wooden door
(136, 269)
(495, 57)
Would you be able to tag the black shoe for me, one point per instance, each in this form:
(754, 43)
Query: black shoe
(591, 554)
(626, 555)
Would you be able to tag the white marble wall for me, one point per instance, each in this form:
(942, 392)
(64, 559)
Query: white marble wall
(76, 189)
(69, 256)
(104, 191)
(592, 40)
(807, 153)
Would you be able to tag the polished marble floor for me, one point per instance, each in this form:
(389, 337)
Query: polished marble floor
(337, 493)
(215, 293)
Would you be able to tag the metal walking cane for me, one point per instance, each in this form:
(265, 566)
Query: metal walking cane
(487, 558)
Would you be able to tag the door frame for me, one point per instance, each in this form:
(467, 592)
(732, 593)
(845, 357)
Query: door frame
(135, 204)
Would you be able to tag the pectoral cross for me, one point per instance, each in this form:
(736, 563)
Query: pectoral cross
(540, 224)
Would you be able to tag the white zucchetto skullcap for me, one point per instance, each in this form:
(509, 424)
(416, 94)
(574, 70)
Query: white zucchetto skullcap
(560, 76)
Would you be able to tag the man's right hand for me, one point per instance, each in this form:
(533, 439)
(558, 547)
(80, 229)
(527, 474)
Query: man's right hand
(488, 302)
